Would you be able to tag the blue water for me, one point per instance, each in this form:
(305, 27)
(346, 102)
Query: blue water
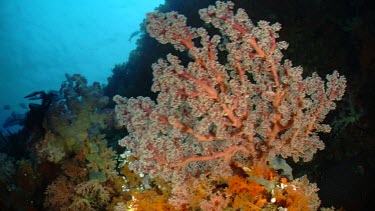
(41, 40)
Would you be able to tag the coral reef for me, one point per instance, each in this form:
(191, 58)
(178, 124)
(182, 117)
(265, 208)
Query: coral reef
(227, 124)
(237, 104)
(89, 180)
(75, 115)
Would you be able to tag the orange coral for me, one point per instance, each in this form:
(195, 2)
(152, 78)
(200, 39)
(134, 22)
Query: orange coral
(150, 200)
(298, 195)
(296, 200)
(248, 194)
(234, 192)
(263, 170)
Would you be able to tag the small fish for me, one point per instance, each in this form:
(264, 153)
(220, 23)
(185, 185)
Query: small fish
(6, 107)
(133, 35)
(38, 95)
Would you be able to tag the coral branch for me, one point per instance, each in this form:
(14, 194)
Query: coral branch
(213, 112)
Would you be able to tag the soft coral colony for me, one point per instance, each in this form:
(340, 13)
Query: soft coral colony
(222, 122)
